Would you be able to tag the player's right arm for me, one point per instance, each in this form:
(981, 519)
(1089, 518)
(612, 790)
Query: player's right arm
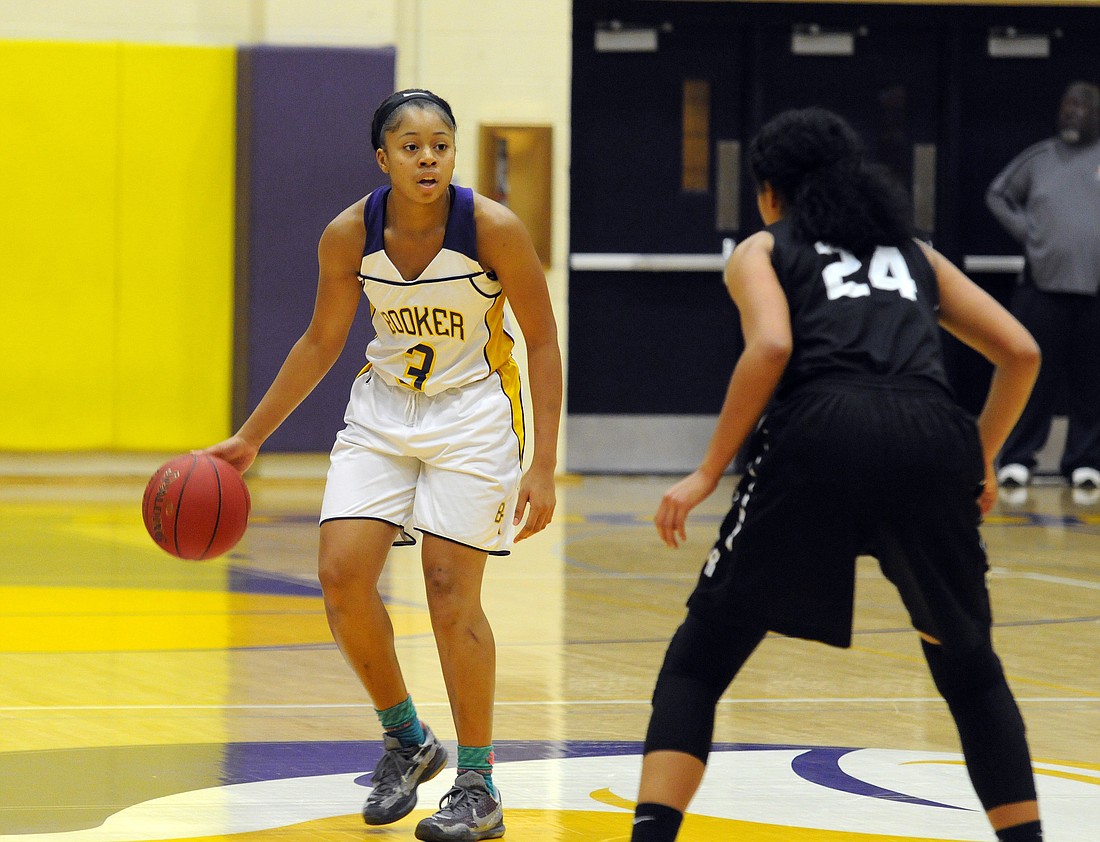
(338, 292)
(974, 317)
(766, 325)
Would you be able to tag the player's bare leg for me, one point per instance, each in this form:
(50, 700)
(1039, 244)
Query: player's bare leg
(352, 555)
(670, 778)
(472, 808)
(467, 652)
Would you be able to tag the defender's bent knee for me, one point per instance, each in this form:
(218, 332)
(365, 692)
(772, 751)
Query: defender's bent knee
(700, 662)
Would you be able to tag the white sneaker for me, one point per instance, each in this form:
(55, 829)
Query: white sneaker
(1085, 478)
(1086, 496)
(1016, 475)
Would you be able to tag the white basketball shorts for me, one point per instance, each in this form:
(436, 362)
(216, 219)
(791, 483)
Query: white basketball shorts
(445, 464)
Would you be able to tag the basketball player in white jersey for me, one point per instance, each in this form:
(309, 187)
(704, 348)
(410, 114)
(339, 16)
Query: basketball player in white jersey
(433, 442)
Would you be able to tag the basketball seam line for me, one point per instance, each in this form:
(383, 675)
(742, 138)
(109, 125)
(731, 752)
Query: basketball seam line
(217, 520)
(179, 501)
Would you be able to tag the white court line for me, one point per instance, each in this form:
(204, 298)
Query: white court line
(1003, 573)
(915, 700)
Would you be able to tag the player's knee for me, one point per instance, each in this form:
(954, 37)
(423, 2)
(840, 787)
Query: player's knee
(345, 581)
(682, 718)
(699, 664)
(452, 601)
(337, 577)
(693, 656)
(350, 558)
(963, 676)
(441, 584)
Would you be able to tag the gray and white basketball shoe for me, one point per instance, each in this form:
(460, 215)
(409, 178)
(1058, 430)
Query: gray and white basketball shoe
(467, 813)
(400, 771)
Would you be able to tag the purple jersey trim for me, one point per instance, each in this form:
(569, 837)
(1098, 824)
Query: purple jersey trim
(461, 234)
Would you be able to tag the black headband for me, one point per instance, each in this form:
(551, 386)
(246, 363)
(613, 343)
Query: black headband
(395, 101)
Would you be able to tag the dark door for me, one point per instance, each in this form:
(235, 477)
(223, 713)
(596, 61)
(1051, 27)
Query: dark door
(657, 99)
(880, 71)
(919, 82)
(655, 90)
(1013, 66)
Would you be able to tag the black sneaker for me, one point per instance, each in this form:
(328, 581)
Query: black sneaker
(468, 812)
(400, 771)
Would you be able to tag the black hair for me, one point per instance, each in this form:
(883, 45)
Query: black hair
(389, 112)
(815, 163)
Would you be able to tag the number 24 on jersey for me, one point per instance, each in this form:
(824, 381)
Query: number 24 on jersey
(887, 271)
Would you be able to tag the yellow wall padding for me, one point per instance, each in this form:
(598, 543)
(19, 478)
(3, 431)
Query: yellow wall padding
(58, 159)
(116, 245)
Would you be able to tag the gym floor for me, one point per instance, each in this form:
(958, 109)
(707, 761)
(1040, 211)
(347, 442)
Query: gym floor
(145, 698)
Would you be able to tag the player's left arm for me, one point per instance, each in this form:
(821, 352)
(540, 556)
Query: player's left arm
(505, 247)
(765, 324)
(977, 319)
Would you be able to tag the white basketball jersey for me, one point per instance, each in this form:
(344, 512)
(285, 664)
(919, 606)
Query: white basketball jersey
(445, 328)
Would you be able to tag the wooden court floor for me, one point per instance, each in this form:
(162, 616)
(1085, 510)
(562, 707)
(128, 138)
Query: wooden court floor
(144, 698)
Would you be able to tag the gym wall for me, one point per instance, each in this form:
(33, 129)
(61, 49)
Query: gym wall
(304, 154)
(119, 224)
(495, 60)
(116, 232)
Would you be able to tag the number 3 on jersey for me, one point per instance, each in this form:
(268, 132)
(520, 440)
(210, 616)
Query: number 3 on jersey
(887, 271)
(421, 359)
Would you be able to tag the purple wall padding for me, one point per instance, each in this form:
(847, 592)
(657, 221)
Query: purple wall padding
(304, 154)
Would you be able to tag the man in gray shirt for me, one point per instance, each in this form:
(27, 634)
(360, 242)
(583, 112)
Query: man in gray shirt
(1048, 198)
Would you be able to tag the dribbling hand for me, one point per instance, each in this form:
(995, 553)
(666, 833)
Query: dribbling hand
(236, 451)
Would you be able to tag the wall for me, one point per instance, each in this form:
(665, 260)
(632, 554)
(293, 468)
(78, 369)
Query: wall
(493, 59)
(346, 22)
(303, 154)
(116, 269)
(932, 90)
(495, 62)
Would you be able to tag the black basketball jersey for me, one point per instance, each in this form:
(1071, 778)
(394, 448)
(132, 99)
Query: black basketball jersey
(868, 316)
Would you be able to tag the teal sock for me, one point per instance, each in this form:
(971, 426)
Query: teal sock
(478, 759)
(401, 722)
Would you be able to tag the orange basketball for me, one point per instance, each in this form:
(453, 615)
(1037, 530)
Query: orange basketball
(196, 506)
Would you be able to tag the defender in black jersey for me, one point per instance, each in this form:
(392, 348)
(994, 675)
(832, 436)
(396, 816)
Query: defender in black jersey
(855, 446)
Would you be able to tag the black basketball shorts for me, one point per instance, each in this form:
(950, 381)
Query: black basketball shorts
(838, 471)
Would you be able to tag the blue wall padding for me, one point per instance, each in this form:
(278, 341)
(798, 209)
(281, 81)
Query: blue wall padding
(304, 154)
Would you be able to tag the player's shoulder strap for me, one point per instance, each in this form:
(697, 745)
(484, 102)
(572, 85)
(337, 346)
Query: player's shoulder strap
(461, 233)
(374, 219)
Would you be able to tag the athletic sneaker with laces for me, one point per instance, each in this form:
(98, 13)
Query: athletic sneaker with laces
(400, 771)
(468, 812)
